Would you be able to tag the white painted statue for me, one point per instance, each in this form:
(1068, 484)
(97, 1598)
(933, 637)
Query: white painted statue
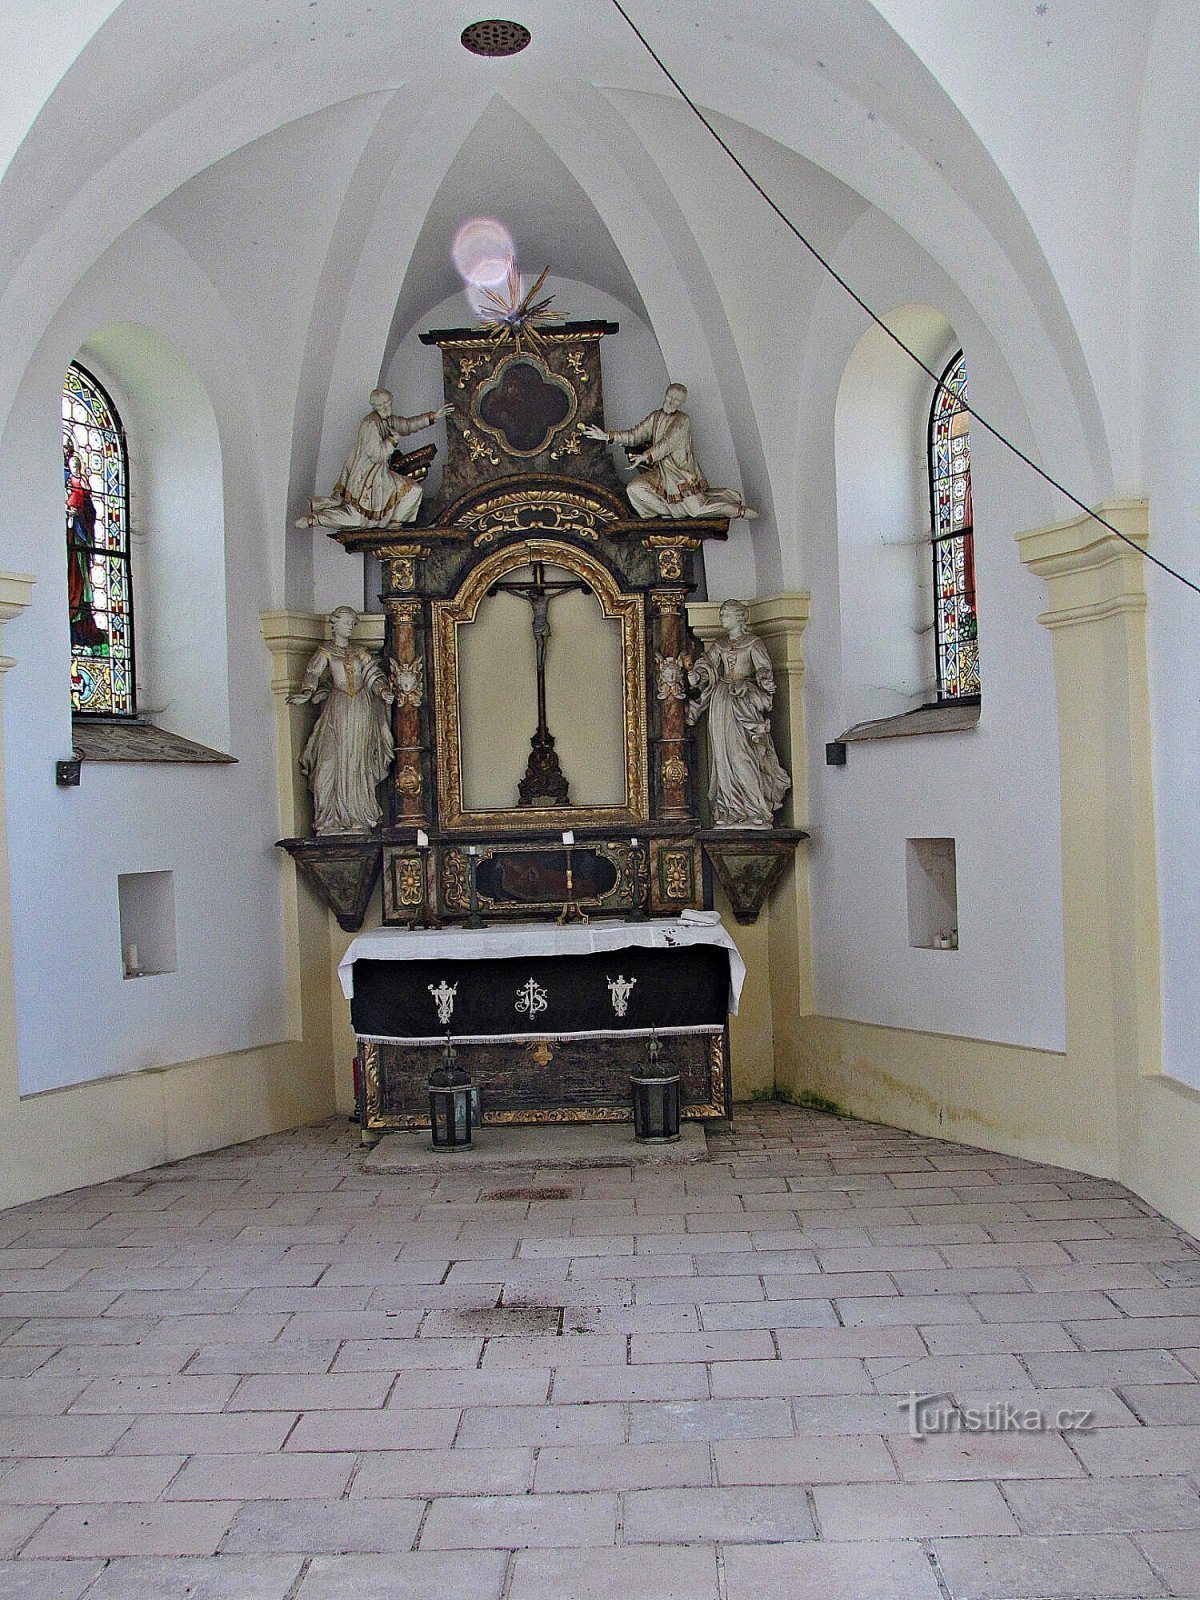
(351, 747)
(672, 485)
(737, 689)
(369, 494)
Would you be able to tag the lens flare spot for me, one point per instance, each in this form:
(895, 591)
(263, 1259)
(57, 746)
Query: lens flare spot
(482, 250)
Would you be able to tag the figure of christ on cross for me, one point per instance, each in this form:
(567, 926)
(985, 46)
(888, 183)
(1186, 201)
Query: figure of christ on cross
(543, 782)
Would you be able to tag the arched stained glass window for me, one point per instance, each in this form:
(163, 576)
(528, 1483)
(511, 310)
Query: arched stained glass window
(956, 633)
(99, 587)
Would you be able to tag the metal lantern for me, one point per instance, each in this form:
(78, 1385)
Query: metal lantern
(656, 1099)
(452, 1099)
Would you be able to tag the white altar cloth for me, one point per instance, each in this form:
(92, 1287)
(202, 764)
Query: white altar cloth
(514, 939)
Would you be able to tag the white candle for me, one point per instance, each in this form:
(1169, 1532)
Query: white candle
(568, 837)
(633, 844)
(422, 839)
(132, 961)
(471, 850)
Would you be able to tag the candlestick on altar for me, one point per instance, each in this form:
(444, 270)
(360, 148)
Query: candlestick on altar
(570, 912)
(637, 883)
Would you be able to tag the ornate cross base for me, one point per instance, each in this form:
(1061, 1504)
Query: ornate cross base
(544, 783)
(749, 862)
(343, 869)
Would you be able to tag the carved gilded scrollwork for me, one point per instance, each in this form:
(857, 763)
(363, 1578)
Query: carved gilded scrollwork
(402, 573)
(409, 880)
(674, 769)
(576, 363)
(533, 511)
(369, 1064)
(670, 564)
(676, 874)
(456, 892)
(478, 449)
(449, 615)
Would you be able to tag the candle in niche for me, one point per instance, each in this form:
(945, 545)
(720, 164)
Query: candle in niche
(131, 960)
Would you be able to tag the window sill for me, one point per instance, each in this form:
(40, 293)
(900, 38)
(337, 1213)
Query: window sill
(138, 741)
(952, 716)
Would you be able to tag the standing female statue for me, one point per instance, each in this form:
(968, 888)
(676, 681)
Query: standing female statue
(351, 747)
(737, 688)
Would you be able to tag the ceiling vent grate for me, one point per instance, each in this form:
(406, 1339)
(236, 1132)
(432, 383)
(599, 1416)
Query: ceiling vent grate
(495, 37)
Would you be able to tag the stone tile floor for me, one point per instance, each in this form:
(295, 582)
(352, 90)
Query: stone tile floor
(261, 1374)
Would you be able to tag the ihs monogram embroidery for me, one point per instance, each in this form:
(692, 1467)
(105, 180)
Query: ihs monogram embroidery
(531, 999)
(620, 988)
(444, 998)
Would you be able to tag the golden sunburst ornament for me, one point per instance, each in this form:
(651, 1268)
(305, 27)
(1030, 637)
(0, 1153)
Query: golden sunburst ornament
(510, 314)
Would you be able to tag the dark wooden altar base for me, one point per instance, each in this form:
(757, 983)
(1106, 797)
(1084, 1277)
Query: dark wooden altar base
(542, 1080)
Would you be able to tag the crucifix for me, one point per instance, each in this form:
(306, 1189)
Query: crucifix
(544, 782)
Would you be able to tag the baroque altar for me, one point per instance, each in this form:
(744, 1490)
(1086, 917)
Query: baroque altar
(536, 665)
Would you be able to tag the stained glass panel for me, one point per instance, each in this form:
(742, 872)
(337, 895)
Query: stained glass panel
(955, 625)
(99, 587)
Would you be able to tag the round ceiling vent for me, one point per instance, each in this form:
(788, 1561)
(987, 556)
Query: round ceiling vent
(495, 37)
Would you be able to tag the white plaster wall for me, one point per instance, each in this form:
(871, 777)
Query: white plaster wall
(885, 566)
(994, 790)
(1166, 381)
(213, 827)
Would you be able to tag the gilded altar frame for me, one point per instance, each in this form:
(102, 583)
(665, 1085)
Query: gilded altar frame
(460, 610)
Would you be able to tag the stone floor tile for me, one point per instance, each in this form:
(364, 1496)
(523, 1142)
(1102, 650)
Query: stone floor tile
(649, 1382)
(629, 1466)
(154, 1392)
(829, 1286)
(384, 1429)
(642, 1572)
(400, 1354)
(455, 1575)
(1129, 1452)
(854, 1458)
(655, 1421)
(725, 1316)
(115, 1529)
(1176, 1557)
(914, 1309)
(1106, 1368)
(518, 1522)
(518, 1350)
(724, 1515)
(298, 1391)
(56, 1580)
(82, 1480)
(247, 1359)
(951, 1456)
(767, 1379)
(1049, 1306)
(17, 1524)
(538, 1425)
(1062, 1408)
(38, 1396)
(207, 1433)
(886, 1258)
(1104, 1505)
(911, 1510)
(754, 1344)
(961, 1280)
(288, 1475)
(1168, 1404)
(947, 1374)
(387, 1474)
(976, 1338)
(183, 1578)
(1136, 1333)
(1060, 1568)
(324, 1527)
(21, 1437)
(885, 1570)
